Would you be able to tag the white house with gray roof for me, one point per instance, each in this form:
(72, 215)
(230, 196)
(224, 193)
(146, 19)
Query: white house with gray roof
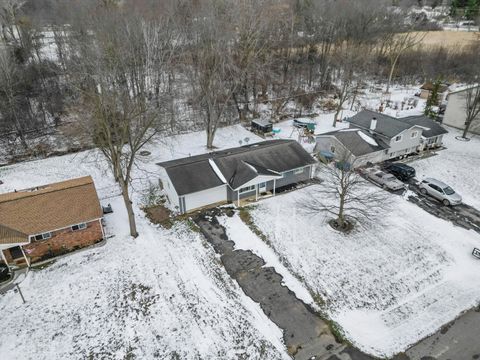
(375, 137)
(234, 174)
(354, 145)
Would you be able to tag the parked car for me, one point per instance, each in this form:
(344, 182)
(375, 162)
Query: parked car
(387, 181)
(4, 272)
(401, 171)
(440, 191)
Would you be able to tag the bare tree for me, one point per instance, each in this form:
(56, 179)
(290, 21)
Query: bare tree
(472, 108)
(210, 66)
(11, 96)
(122, 65)
(344, 194)
(399, 44)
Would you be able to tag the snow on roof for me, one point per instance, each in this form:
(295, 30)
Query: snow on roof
(217, 171)
(367, 138)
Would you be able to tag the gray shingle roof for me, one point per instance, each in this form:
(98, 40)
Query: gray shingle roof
(387, 126)
(238, 165)
(434, 128)
(357, 145)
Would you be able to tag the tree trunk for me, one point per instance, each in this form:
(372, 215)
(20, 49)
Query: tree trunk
(394, 63)
(210, 137)
(467, 127)
(341, 216)
(129, 207)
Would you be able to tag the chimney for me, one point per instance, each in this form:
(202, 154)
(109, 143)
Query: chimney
(373, 124)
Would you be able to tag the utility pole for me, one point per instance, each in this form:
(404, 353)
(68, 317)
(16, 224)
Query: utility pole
(20, 292)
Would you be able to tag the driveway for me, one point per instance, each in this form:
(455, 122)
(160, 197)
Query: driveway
(305, 333)
(458, 340)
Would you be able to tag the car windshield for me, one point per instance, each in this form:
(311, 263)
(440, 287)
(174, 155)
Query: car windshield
(390, 177)
(448, 190)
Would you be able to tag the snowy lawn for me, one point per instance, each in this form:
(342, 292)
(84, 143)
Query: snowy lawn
(163, 295)
(388, 284)
(458, 166)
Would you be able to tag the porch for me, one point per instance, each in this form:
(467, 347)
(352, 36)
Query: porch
(253, 192)
(14, 257)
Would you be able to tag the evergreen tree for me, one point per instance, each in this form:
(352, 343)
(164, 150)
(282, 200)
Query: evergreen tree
(433, 99)
(471, 10)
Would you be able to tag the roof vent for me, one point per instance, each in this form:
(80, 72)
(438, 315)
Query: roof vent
(373, 124)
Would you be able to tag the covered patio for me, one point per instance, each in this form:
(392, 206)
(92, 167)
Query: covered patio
(11, 251)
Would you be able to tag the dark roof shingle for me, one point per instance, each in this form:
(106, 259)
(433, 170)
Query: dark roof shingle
(355, 143)
(387, 126)
(238, 165)
(434, 128)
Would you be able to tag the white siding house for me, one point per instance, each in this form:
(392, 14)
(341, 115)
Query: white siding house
(455, 115)
(234, 174)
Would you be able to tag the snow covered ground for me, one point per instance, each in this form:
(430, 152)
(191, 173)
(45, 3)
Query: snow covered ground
(458, 166)
(370, 98)
(162, 295)
(389, 284)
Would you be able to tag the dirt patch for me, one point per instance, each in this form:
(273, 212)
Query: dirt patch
(160, 215)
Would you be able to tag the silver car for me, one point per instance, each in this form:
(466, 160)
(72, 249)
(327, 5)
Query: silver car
(387, 181)
(440, 191)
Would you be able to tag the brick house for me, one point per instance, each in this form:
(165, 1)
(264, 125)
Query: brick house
(50, 220)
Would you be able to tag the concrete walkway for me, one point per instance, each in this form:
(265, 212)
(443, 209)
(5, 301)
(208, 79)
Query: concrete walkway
(10, 284)
(306, 334)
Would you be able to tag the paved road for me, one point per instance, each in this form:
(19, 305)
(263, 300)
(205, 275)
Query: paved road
(458, 340)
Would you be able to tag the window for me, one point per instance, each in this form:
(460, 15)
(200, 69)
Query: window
(79, 227)
(298, 171)
(398, 138)
(247, 189)
(414, 134)
(40, 237)
(332, 149)
(436, 188)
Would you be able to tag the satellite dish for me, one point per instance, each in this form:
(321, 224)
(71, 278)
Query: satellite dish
(247, 139)
(240, 142)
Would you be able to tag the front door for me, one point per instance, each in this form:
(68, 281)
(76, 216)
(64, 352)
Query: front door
(262, 187)
(17, 255)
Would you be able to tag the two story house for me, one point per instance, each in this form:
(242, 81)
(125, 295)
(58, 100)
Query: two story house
(375, 137)
(402, 137)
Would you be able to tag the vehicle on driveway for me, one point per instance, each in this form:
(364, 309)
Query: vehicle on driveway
(387, 181)
(401, 171)
(440, 191)
(4, 272)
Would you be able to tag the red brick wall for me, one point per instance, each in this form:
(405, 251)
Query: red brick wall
(64, 241)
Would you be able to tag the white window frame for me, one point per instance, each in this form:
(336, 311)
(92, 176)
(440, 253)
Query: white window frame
(80, 226)
(45, 236)
(414, 134)
(398, 138)
(247, 189)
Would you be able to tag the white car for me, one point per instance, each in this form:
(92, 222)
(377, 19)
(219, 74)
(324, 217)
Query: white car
(387, 181)
(440, 191)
